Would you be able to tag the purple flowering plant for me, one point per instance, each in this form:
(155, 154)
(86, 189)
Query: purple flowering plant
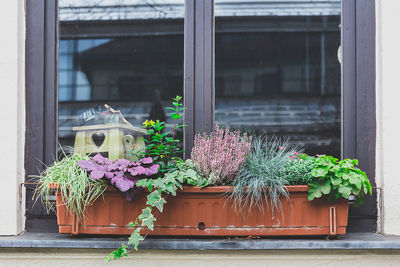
(220, 154)
(121, 173)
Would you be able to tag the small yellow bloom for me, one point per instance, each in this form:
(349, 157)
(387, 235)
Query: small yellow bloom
(146, 123)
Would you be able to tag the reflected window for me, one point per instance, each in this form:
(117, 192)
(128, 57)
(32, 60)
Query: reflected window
(277, 71)
(124, 53)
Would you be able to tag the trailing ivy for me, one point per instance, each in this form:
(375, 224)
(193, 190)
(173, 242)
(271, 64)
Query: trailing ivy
(167, 185)
(338, 179)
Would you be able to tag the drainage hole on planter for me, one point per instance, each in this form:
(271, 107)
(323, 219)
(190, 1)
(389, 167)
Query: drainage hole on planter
(201, 226)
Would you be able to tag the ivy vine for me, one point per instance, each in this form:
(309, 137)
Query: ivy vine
(167, 185)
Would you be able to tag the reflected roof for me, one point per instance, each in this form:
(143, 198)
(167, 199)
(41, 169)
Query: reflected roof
(72, 10)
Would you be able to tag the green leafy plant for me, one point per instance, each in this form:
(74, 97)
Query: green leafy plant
(76, 188)
(262, 179)
(298, 170)
(338, 178)
(158, 188)
(163, 146)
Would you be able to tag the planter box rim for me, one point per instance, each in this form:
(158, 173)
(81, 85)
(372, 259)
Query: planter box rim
(209, 189)
(227, 189)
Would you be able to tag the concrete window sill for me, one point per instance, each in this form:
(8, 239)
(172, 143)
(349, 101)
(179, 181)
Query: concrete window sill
(365, 241)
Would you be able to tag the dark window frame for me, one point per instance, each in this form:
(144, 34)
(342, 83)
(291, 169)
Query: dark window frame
(358, 85)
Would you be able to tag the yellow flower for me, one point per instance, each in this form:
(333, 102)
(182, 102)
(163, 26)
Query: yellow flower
(146, 123)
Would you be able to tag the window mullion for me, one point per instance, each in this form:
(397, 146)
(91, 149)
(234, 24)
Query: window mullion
(199, 69)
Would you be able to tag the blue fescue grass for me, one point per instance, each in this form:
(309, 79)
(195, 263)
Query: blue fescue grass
(262, 179)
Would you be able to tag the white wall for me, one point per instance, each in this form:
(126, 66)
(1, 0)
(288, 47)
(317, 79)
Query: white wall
(12, 114)
(388, 112)
(177, 258)
(12, 110)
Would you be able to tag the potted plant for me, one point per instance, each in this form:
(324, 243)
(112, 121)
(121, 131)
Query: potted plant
(233, 185)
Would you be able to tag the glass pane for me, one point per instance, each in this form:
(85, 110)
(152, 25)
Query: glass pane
(277, 70)
(124, 53)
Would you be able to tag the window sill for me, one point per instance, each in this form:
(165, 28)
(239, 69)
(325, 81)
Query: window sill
(364, 241)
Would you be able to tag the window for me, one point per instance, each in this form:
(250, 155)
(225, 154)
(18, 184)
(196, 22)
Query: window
(178, 53)
(128, 54)
(278, 72)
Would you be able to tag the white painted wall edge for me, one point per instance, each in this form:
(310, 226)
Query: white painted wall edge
(388, 122)
(12, 110)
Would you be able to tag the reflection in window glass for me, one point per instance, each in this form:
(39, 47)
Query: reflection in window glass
(124, 53)
(277, 71)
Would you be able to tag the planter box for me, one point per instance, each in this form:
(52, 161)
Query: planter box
(208, 212)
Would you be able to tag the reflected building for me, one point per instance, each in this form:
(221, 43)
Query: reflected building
(276, 67)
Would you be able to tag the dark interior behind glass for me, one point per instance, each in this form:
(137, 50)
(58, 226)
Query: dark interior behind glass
(277, 71)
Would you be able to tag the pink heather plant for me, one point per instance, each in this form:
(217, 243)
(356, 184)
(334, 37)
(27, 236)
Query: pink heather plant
(219, 156)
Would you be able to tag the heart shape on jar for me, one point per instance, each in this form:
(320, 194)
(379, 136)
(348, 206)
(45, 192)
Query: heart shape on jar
(98, 139)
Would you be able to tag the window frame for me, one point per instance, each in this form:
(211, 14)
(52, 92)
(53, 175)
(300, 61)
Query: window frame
(358, 92)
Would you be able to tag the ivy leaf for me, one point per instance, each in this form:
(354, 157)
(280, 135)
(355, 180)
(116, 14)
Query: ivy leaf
(192, 174)
(118, 253)
(171, 188)
(179, 176)
(178, 184)
(153, 197)
(135, 239)
(160, 204)
(147, 218)
(146, 212)
(132, 224)
(149, 222)
(159, 183)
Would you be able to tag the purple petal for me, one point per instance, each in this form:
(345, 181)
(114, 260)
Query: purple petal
(137, 170)
(101, 160)
(88, 165)
(117, 175)
(152, 170)
(112, 167)
(134, 164)
(122, 162)
(147, 160)
(97, 174)
(109, 175)
(124, 184)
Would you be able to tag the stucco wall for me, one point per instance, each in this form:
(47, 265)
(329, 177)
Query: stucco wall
(12, 110)
(388, 113)
(12, 27)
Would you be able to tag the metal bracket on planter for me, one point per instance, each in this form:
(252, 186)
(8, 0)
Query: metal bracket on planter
(75, 225)
(24, 184)
(332, 220)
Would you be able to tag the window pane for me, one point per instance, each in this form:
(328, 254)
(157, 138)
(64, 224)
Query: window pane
(277, 70)
(124, 53)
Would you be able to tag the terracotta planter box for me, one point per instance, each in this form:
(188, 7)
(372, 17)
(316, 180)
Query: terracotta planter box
(207, 212)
